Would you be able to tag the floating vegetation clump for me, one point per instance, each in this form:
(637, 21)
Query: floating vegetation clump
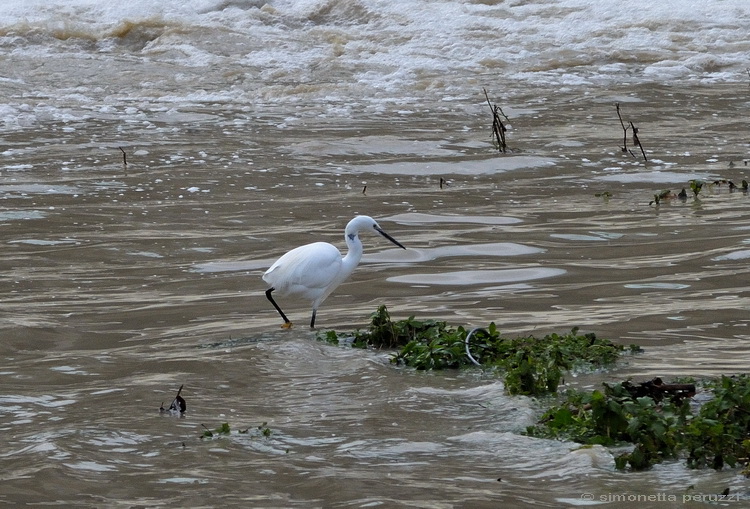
(224, 430)
(659, 428)
(531, 366)
(648, 422)
(696, 186)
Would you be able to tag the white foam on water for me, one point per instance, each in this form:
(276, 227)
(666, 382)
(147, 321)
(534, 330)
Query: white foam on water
(343, 50)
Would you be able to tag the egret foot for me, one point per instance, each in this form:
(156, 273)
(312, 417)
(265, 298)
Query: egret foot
(286, 325)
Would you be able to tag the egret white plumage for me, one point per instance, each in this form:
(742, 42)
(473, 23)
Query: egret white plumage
(313, 271)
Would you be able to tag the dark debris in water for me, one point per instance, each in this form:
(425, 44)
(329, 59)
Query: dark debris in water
(224, 429)
(178, 405)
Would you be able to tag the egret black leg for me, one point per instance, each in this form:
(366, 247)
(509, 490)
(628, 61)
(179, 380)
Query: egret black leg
(268, 294)
(312, 320)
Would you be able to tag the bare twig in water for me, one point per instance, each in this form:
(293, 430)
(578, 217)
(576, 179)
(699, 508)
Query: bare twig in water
(637, 141)
(625, 128)
(124, 157)
(624, 132)
(498, 128)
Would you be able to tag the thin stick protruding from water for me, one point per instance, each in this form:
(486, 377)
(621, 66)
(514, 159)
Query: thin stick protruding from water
(637, 141)
(625, 129)
(498, 128)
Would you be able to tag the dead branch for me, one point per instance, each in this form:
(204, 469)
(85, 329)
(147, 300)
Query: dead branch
(638, 141)
(624, 132)
(634, 129)
(656, 389)
(498, 128)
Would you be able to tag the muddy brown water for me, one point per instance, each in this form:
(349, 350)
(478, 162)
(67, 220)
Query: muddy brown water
(121, 283)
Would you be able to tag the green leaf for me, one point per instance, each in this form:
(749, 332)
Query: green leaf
(562, 418)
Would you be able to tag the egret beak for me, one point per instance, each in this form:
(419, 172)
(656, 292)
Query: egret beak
(380, 231)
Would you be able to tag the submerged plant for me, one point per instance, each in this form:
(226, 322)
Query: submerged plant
(225, 429)
(664, 195)
(720, 434)
(612, 417)
(221, 430)
(696, 186)
(531, 365)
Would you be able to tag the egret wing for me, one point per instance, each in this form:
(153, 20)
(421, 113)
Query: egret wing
(306, 270)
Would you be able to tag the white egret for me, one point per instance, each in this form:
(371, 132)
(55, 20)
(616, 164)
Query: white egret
(313, 271)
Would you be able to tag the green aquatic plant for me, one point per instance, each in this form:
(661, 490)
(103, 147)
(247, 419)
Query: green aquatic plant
(613, 417)
(264, 430)
(531, 365)
(664, 195)
(720, 434)
(221, 430)
(385, 333)
(696, 186)
(658, 428)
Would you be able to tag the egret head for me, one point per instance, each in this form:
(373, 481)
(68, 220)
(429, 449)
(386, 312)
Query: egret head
(366, 223)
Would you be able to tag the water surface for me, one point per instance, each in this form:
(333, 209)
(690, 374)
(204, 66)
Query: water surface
(123, 282)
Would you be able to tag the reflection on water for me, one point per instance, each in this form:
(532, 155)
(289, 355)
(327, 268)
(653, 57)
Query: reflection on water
(492, 166)
(123, 283)
(422, 218)
(477, 277)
